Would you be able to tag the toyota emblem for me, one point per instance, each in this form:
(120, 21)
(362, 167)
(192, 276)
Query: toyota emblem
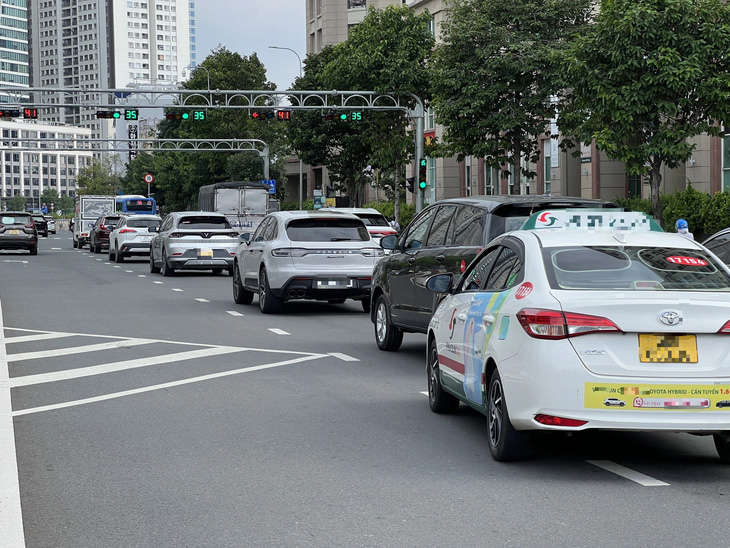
(670, 317)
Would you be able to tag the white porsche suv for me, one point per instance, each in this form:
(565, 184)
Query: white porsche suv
(321, 255)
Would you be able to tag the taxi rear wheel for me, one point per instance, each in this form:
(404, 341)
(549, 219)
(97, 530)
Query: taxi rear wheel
(722, 444)
(505, 443)
(388, 336)
(438, 399)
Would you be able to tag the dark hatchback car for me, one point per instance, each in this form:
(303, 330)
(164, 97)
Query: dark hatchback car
(41, 225)
(444, 238)
(17, 231)
(99, 235)
(719, 244)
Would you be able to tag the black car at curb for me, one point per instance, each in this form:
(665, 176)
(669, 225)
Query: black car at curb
(444, 238)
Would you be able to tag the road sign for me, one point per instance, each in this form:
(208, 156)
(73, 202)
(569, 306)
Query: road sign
(271, 183)
(149, 178)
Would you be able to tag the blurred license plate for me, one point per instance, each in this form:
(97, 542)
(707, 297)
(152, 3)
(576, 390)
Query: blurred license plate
(333, 284)
(15, 232)
(667, 348)
(145, 238)
(205, 253)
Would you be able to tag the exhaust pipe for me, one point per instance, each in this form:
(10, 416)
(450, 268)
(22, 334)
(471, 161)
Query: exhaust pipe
(367, 292)
(292, 293)
(300, 294)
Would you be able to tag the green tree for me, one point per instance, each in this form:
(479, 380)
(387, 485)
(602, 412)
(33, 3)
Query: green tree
(494, 75)
(647, 77)
(50, 198)
(17, 203)
(100, 176)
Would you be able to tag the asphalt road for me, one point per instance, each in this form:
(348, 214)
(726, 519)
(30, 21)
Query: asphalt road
(145, 414)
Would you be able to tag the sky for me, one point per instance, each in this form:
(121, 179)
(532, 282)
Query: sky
(248, 26)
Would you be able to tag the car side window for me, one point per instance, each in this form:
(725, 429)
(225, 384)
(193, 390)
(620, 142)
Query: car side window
(469, 227)
(719, 246)
(268, 233)
(416, 236)
(258, 236)
(507, 271)
(440, 233)
(167, 225)
(476, 277)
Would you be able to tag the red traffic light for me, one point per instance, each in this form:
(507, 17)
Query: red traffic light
(9, 113)
(262, 115)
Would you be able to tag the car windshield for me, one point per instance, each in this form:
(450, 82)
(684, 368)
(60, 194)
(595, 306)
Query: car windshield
(15, 220)
(143, 223)
(326, 230)
(199, 222)
(633, 269)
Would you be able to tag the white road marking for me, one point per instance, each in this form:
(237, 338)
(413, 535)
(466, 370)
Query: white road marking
(202, 300)
(278, 331)
(56, 248)
(158, 282)
(67, 374)
(107, 263)
(102, 260)
(424, 393)
(344, 357)
(38, 337)
(129, 271)
(233, 313)
(14, 261)
(117, 267)
(77, 349)
(141, 275)
(163, 386)
(11, 517)
(628, 473)
(176, 289)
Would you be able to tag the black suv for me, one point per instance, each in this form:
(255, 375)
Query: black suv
(99, 234)
(41, 225)
(444, 238)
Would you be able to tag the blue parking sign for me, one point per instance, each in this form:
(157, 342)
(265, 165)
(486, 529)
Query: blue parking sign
(271, 183)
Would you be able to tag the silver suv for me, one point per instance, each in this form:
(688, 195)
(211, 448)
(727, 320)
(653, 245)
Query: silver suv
(193, 240)
(322, 255)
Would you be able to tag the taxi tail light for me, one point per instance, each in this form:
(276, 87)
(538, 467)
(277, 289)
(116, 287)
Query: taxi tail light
(127, 231)
(554, 324)
(725, 329)
(550, 420)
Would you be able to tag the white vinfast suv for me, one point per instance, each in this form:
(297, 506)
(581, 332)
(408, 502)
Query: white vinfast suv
(131, 236)
(612, 327)
(322, 255)
(193, 240)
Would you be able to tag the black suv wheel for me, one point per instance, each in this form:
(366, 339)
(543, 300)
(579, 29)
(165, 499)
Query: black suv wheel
(388, 336)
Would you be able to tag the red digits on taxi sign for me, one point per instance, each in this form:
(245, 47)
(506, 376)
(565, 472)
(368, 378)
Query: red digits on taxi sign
(689, 261)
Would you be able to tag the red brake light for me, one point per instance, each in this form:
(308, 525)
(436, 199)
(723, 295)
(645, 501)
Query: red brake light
(554, 324)
(725, 329)
(127, 231)
(31, 225)
(558, 421)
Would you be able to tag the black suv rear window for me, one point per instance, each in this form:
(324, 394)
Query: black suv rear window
(202, 222)
(15, 219)
(327, 230)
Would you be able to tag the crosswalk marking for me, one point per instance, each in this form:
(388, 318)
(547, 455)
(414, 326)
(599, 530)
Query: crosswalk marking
(38, 337)
(343, 357)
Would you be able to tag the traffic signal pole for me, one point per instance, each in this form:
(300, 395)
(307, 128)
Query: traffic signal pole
(418, 115)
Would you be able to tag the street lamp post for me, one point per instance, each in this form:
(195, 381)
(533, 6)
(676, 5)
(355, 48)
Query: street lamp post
(301, 166)
(193, 69)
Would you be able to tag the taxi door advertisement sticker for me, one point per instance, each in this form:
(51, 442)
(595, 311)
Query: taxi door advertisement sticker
(476, 338)
(688, 397)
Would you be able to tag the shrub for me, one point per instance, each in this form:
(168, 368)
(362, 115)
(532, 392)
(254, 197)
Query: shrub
(635, 204)
(407, 211)
(688, 205)
(715, 213)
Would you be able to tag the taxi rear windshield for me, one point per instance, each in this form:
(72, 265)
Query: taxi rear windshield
(371, 219)
(327, 230)
(633, 269)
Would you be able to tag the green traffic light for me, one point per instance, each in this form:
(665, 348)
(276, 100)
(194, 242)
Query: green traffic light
(343, 116)
(185, 115)
(116, 115)
(422, 184)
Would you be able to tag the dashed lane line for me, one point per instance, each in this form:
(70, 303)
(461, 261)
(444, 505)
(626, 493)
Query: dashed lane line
(202, 300)
(343, 357)
(628, 473)
(278, 331)
(176, 289)
(158, 282)
(233, 313)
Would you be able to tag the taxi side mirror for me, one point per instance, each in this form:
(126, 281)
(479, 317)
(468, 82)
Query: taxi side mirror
(244, 237)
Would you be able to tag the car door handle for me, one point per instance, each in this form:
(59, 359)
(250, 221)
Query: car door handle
(487, 319)
(440, 258)
(461, 317)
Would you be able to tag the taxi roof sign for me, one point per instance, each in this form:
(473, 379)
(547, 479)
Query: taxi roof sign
(591, 219)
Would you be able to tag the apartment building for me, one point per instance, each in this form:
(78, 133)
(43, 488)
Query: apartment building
(14, 66)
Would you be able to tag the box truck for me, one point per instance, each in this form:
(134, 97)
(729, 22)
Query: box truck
(244, 203)
(88, 209)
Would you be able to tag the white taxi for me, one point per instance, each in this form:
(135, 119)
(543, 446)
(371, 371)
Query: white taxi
(585, 320)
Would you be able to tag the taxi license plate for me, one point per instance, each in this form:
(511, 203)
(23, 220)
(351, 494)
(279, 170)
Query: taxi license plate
(667, 348)
(15, 232)
(205, 253)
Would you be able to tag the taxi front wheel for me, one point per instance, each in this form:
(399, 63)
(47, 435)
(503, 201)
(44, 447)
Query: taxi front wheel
(505, 443)
(388, 336)
(438, 399)
(722, 444)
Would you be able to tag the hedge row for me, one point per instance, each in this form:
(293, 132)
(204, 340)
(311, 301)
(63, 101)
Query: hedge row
(705, 214)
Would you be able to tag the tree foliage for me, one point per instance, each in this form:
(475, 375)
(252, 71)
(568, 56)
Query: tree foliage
(647, 77)
(100, 176)
(17, 203)
(494, 75)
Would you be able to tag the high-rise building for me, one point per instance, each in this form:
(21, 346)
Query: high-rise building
(93, 44)
(13, 46)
